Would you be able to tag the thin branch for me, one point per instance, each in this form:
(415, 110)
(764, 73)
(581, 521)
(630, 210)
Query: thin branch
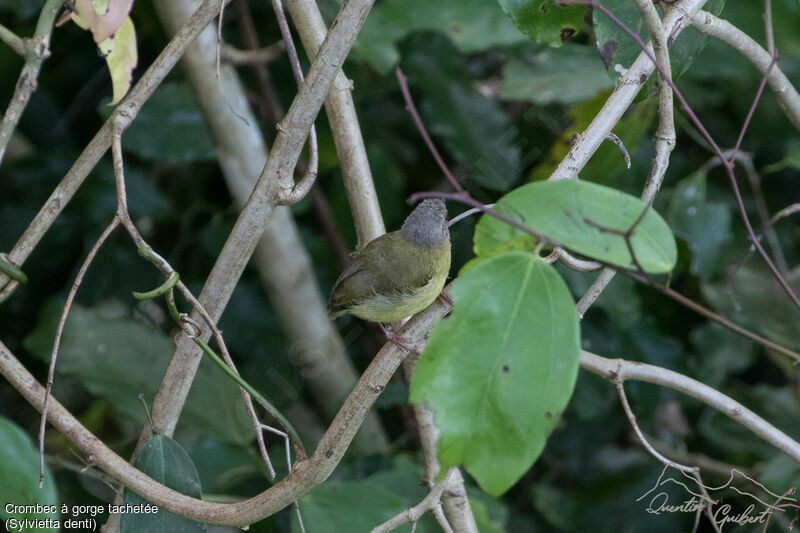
(769, 33)
(252, 56)
(413, 514)
(412, 110)
(753, 106)
(301, 188)
(621, 145)
(711, 315)
(60, 331)
(13, 41)
(692, 471)
(36, 50)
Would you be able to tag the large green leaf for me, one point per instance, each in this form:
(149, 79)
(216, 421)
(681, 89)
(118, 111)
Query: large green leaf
(544, 21)
(19, 482)
(566, 75)
(475, 129)
(473, 25)
(569, 213)
(117, 358)
(500, 370)
(164, 460)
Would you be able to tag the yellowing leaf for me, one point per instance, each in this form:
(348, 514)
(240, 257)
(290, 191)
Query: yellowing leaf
(102, 17)
(121, 57)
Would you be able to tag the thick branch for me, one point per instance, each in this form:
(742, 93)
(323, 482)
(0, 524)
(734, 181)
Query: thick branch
(345, 128)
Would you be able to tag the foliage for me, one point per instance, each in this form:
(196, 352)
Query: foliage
(503, 87)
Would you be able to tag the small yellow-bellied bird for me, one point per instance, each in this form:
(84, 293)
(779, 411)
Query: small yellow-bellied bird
(399, 273)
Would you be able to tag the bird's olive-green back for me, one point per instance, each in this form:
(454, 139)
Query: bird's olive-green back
(387, 265)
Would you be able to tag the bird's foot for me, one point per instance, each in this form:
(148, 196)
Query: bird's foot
(444, 298)
(394, 338)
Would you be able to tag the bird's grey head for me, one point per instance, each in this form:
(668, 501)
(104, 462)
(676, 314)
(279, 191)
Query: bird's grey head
(427, 224)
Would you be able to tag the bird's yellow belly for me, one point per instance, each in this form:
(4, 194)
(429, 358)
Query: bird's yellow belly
(396, 306)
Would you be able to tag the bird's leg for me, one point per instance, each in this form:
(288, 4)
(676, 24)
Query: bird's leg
(394, 338)
(444, 298)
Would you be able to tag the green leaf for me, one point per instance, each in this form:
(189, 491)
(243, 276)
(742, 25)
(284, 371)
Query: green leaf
(566, 75)
(341, 507)
(472, 25)
(169, 128)
(117, 358)
(607, 162)
(544, 21)
(165, 461)
(500, 370)
(569, 211)
(19, 481)
(474, 128)
(705, 226)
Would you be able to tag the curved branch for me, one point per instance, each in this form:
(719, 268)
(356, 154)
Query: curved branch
(787, 95)
(306, 474)
(620, 370)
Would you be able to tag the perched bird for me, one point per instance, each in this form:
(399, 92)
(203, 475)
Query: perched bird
(399, 273)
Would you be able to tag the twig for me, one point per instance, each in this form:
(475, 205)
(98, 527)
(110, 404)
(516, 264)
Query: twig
(13, 41)
(36, 50)
(624, 151)
(301, 188)
(746, 160)
(467, 213)
(769, 33)
(413, 514)
(254, 55)
(412, 110)
(60, 331)
(699, 309)
(692, 471)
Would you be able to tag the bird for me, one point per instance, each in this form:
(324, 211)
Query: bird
(397, 274)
